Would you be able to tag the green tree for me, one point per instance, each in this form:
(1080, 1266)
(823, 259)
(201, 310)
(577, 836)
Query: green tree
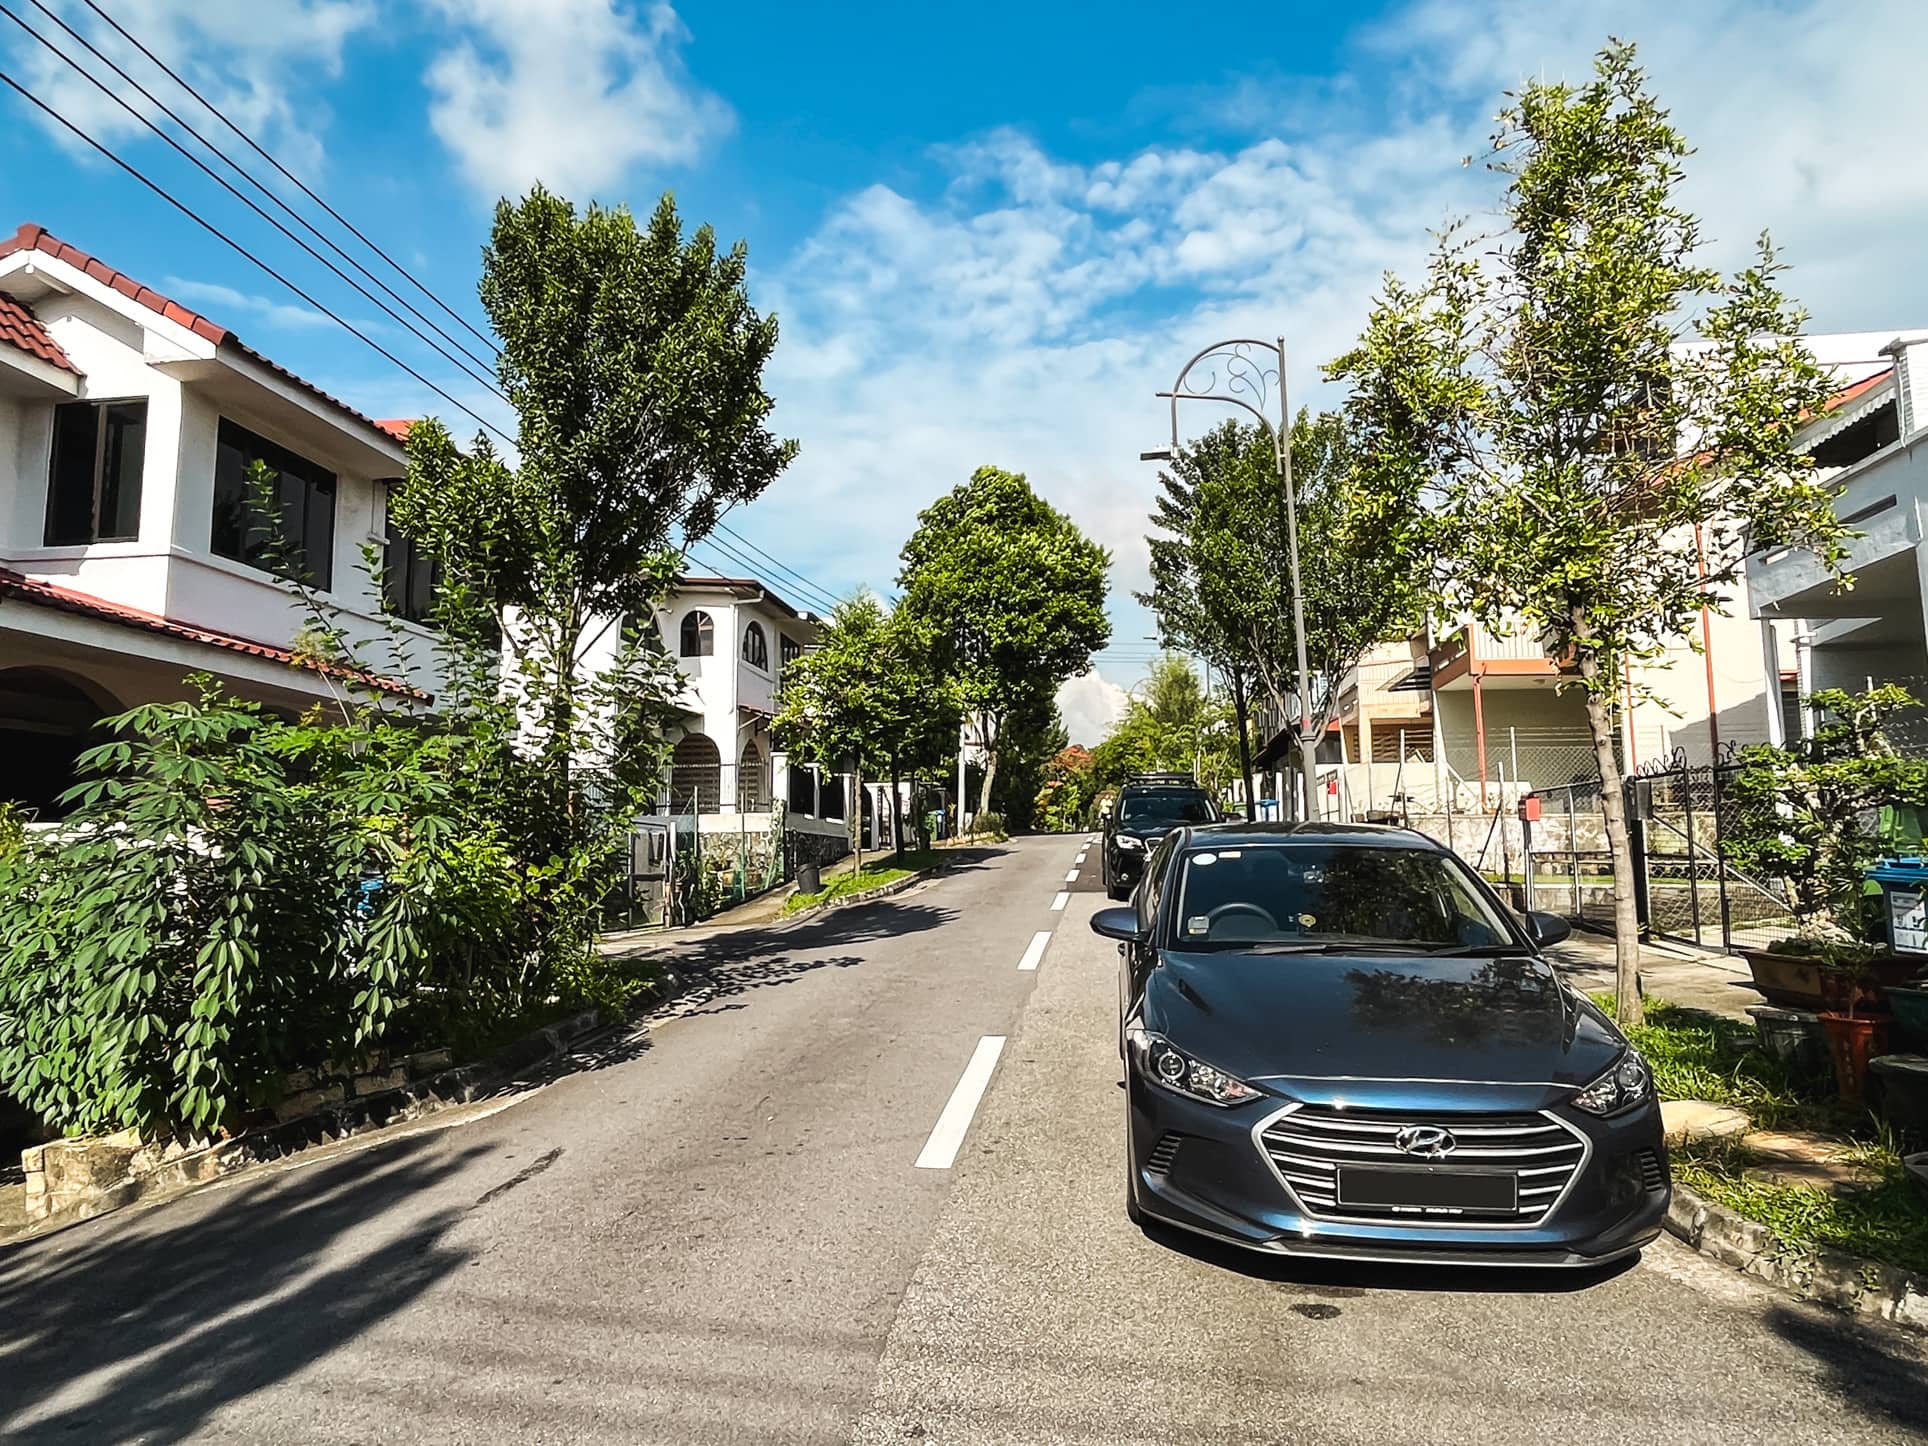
(1540, 444)
(866, 698)
(1221, 584)
(1011, 598)
(634, 362)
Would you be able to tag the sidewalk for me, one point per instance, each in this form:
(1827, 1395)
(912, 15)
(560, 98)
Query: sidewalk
(1717, 983)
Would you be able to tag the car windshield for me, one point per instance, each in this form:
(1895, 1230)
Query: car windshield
(1167, 808)
(1294, 897)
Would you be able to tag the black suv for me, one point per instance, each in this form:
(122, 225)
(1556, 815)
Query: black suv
(1148, 807)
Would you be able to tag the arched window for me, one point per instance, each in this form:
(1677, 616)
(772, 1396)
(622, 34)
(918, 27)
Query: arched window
(699, 635)
(756, 647)
(695, 776)
(752, 779)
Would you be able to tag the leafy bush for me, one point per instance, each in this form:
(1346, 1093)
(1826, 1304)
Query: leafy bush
(234, 896)
(988, 824)
(1807, 815)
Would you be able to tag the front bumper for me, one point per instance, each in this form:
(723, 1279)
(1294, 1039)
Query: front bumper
(1127, 867)
(1197, 1167)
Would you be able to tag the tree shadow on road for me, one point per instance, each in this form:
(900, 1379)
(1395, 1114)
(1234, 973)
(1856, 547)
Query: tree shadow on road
(1864, 1364)
(142, 1329)
(1346, 1277)
(845, 928)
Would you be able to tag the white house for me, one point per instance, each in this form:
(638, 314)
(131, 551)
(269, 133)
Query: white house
(732, 637)
(1868, 443)
(130, 552)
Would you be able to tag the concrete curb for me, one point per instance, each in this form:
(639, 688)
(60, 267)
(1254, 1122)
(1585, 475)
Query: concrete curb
(1812, 1272)
(183, 1169)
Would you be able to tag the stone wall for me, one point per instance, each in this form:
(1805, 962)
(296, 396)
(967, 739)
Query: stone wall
(64, 1174)
(813, 848)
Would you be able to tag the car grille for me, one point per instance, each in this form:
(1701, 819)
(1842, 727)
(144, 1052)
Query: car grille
(1308, 1145)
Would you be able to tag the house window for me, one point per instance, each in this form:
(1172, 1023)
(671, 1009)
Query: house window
(94, 487)
(699, 635)
(788, 649)
(304, 495)
(756, 647)
(410, 577)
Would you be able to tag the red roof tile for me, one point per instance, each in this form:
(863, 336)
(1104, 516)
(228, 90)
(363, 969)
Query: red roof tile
(20, 328)
(67, 600)
(1866, 384)
(397, 427)
(31, 237)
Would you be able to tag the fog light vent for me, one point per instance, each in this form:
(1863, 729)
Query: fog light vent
(1653, 1174)
(1159, 1162)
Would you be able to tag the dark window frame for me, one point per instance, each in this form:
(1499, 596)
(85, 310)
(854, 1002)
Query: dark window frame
(696, 636)
(102, 408)
(410, 580)
(248, 546)
(788, 650)
(757, 656)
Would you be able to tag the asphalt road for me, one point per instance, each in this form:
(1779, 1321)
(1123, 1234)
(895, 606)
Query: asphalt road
(722, 1232)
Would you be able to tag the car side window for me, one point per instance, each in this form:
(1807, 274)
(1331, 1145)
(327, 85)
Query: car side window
(1154, 885)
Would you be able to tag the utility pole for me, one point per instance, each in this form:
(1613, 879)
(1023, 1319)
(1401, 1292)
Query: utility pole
(1241, 372)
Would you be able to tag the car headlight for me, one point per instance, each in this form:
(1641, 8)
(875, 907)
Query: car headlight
(1127, 842)
(1627, 1083)
(1163, 1063)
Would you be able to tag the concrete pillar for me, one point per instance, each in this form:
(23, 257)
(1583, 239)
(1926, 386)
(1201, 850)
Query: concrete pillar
(1365, 755)
(1910, 355)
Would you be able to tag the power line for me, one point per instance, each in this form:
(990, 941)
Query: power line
(801, 580)
(253, 145)
(717, 545)
(243, 252)
(468, 366)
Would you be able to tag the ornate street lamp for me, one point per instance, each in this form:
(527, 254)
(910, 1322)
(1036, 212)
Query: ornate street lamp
(1244, 373)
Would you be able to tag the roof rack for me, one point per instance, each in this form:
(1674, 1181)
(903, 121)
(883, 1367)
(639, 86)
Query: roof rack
(1184, 778)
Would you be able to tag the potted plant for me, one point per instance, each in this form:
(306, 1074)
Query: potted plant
(1809, 818)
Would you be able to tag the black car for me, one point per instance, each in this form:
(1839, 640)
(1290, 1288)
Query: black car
(1148, 807)
(1339, 1042)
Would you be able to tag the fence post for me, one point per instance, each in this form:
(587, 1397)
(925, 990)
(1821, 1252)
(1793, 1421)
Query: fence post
(1573, 848)
(1637, 846)
(1686, 787)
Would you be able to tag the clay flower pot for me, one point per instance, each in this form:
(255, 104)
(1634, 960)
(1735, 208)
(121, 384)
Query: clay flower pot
(1853, 1040)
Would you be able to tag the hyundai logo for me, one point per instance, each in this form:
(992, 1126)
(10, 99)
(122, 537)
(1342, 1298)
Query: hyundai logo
(1428, 1140)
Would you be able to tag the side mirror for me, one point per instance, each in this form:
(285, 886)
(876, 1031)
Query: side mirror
(1119, 924)
(1545, 929)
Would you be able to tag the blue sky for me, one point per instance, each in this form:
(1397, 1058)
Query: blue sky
(991, 231)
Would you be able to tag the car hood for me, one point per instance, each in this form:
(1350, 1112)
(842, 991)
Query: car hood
(1313, 1019)
(1149, 832)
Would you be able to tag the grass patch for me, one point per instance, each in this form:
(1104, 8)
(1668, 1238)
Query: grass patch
(1700, 1056)
(1885, 1221)
(887, 870)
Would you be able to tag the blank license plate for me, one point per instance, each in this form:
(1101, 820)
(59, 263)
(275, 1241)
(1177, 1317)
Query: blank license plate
(1421, 1190)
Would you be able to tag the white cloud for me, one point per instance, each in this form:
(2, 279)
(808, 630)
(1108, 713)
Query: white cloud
(572, 93)
(259, 63)
(228, 301)
(1026, 311)
(1089, 704)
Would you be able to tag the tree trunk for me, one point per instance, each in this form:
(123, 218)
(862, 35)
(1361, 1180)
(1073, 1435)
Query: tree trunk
(1613, 809)
(1244, 743)
(990, 771)
(857, 821)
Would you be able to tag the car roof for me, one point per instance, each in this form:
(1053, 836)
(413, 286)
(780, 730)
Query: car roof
(1372, 835)
(1163, 785)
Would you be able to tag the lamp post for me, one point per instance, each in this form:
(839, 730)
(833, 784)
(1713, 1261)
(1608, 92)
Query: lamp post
(1251, 369)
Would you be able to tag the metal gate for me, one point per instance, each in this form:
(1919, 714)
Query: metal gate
(1688, 889)
(640, 898)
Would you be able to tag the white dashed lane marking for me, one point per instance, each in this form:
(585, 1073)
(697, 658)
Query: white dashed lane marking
(1057, 904)
(1072, 877)
(947, 1137)
(1035, 951)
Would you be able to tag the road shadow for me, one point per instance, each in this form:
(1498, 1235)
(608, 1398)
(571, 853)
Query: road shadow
(1885, 1378)
(844, 928)
(1344, 1277)
(142, 1329)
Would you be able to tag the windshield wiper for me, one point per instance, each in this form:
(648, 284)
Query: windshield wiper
(1328, 946)
(1478, 951)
